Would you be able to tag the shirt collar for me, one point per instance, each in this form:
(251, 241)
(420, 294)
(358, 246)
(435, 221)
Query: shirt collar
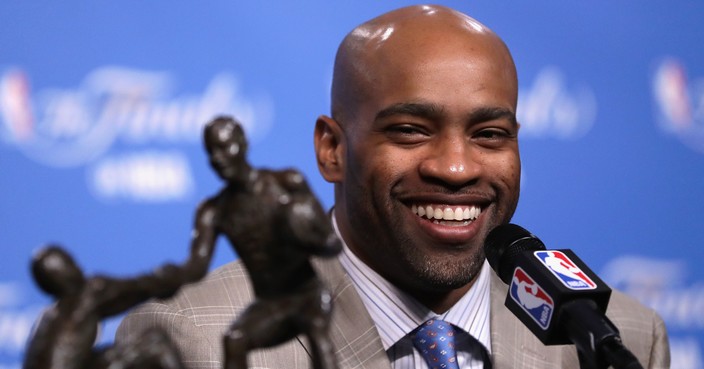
(396, 314)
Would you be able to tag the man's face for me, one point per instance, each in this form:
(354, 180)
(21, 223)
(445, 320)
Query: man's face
(431, 164)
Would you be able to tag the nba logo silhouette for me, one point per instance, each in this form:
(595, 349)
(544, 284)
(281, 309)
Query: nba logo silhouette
(565, 270)
(531, 298)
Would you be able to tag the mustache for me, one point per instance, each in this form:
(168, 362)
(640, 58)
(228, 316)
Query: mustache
(438, 191)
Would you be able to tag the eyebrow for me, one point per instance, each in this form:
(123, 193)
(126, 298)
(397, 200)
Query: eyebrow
(492, 113)
(424, 110)
(434, 111)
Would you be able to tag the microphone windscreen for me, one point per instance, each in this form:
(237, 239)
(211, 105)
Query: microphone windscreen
(504, 243)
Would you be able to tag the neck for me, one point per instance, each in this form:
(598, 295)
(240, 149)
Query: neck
(244, 176)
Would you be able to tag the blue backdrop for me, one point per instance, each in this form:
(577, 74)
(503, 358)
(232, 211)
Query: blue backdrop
(102, 103)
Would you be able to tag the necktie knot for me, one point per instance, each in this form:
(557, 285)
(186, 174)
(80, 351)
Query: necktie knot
(435, 340)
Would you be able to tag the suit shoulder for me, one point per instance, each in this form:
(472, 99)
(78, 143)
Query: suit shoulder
(227, 285)
(642, 330)
(623, 306)
(197, 316)
(223, 292)
(631, 315)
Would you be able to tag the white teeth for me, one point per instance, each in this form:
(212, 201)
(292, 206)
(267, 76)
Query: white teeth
(458, 213)
(448, 214)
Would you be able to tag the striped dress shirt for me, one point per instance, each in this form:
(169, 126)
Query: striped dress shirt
(396, 314)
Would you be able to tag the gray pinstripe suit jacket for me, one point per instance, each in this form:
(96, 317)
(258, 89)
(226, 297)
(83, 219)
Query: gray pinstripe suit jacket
(199, 314)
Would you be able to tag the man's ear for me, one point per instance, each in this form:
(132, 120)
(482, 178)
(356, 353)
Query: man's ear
(329, 148)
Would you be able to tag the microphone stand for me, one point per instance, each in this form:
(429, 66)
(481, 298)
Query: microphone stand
(597, 339)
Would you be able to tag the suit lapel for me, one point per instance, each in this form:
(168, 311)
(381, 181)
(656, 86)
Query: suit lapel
(352, 330)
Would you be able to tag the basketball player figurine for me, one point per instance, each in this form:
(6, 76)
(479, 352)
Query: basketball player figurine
(275, 224)
(66, 332)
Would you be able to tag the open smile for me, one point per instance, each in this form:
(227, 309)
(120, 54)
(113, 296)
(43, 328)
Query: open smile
(449, 215)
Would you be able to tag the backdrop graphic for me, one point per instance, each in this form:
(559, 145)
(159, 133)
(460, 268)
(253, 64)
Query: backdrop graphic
(102, 104)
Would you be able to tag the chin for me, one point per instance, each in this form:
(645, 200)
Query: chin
(446, 272)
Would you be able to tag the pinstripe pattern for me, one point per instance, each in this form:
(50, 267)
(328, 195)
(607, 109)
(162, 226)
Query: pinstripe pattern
(199, 314)
(396, 314)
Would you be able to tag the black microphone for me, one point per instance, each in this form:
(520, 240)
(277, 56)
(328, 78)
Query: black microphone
(557, 297)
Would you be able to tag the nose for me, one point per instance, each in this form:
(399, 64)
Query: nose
(216, 156)
(453, 161)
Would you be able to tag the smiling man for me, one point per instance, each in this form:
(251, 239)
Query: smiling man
(422, 149)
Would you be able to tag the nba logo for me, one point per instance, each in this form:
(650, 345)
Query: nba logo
(565, 270)
(531, 298)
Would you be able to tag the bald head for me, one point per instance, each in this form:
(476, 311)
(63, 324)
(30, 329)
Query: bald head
(374, 51)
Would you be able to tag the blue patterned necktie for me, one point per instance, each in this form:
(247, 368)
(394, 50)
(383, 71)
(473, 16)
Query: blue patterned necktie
(435, 340)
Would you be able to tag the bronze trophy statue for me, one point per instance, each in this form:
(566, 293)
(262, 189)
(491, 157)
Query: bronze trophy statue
(275, 224)
(66, 332)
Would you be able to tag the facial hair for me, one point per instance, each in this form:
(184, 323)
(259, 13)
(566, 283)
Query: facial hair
(443, 272)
